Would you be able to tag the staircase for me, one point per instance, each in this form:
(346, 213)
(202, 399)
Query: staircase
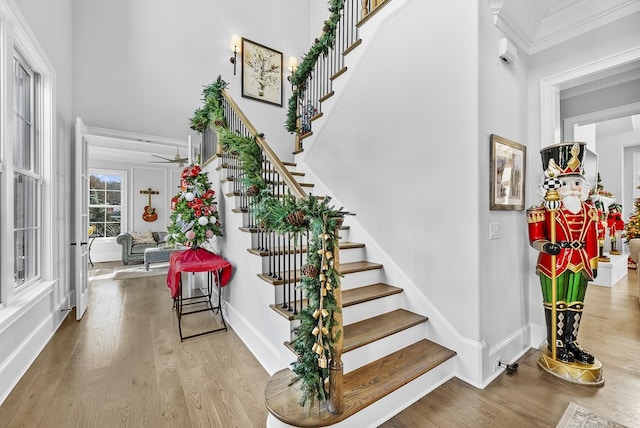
(388, 363)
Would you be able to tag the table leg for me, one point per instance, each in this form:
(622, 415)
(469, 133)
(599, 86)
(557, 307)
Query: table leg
(179, 303)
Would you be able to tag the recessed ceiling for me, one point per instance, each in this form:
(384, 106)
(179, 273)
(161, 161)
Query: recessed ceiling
(536, 25)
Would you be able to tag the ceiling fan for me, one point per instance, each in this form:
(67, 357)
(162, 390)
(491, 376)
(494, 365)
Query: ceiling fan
(177, 159)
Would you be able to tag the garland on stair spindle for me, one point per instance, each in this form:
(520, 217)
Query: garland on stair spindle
(320, 279)
(321, 45)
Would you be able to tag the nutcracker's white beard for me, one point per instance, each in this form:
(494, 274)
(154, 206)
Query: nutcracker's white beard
(572, 203)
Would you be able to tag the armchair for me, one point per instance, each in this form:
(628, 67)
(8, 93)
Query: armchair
(133, 245)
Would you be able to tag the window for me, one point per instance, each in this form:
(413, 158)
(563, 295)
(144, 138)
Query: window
(32, 239)
(26, 177)
(105, 203)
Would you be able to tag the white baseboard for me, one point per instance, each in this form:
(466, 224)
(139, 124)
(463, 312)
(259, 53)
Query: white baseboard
(18, 362)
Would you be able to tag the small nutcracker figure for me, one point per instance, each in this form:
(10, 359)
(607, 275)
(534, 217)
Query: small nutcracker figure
(616, 225)
(602, 229)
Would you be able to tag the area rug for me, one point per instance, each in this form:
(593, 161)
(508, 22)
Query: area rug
(140, 271)
(576, 416)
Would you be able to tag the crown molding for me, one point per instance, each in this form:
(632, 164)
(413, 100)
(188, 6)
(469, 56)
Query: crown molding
(537, 25)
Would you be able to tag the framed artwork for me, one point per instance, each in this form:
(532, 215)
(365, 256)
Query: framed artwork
(508, 160)
(261, 73)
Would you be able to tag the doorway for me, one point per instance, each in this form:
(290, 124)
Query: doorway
(557, 127)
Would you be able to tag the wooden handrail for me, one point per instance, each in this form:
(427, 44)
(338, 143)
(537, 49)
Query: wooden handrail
(294, 186)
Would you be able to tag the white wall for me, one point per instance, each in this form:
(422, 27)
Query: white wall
(400, 150)
(503, 289)
(141, 66)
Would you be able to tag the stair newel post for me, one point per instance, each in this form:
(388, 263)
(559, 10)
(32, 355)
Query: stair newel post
(336, 368)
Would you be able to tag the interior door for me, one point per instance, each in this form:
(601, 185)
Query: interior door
(81, 223)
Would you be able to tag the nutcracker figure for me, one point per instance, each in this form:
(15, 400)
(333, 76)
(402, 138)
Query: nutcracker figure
(616, 225)
(565, 232)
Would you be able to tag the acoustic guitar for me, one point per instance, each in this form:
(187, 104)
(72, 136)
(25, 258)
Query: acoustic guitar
(149, 213)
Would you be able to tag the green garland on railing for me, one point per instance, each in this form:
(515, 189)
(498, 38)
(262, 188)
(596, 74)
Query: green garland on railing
(321, 45)
(314, 338)
(205, 116)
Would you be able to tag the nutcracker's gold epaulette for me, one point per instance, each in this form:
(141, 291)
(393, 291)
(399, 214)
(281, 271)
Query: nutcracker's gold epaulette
(593, 214)
(535, 214)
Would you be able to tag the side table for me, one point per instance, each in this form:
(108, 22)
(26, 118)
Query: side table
(198, 260)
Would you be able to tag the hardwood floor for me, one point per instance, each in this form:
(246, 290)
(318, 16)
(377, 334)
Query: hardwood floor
(532, 398)
(123, 365)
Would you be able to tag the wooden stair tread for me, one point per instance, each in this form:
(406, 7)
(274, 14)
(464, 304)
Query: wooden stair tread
(369, 330)
(286, 313)
(350, 297)
(326, 96)
(316, 116)
(271, 171)
(361, 266)
(346, 245)
(352, 47)
(362, 387)
(367, 293)
(345, 269)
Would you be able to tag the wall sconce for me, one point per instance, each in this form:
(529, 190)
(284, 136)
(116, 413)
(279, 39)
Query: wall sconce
(235, 46)
(293, 66)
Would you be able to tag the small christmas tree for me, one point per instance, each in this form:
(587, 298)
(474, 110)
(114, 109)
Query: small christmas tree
(194, 216)
(632, 227)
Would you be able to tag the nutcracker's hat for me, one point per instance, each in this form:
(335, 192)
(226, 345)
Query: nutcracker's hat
(563, 159)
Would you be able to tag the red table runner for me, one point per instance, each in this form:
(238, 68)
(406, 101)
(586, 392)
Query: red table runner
(198, 260)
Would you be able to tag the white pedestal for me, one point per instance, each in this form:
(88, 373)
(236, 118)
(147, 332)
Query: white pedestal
(609, 273)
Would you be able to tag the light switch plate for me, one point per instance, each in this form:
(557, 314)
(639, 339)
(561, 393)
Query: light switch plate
(494, 230)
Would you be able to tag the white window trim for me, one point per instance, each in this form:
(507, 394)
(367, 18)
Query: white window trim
(16, 35)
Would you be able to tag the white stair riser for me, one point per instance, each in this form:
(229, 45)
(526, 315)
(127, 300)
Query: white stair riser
(380, 348)
(358, 279)
(362, 311)
(352, 255)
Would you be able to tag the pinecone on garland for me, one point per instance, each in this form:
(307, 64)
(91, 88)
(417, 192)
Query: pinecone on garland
(310, 271)
(296, 218)
(253, 190)
(218, 122)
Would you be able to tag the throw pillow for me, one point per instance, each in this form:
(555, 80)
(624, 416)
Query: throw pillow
(143, 238)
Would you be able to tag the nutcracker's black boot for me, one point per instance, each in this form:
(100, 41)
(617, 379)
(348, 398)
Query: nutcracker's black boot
(574, 316)
(562, 353)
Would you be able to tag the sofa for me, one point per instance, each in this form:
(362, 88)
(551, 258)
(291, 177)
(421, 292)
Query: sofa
(134, 244)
